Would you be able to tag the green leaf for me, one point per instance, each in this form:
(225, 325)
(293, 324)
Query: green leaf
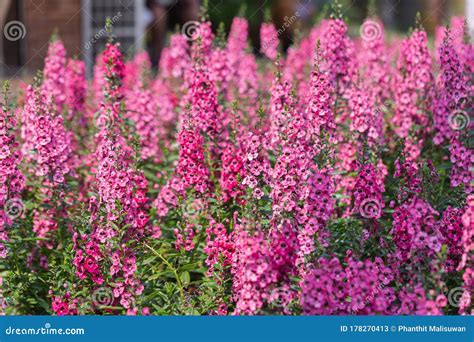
(185, 278)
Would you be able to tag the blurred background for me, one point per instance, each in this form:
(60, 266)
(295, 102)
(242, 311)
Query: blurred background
(27, 25)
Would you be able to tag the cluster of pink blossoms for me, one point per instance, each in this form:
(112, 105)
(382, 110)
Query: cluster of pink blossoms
(191, 166)
(113, 172)
(184, 237)
(48, 146)
(118, 180)
(220, 70)
(281, 103)
(462, 158)
(269, 41)
(319, 110)
(452, 113)
(291, 168)
(297, 62)
(408, 172)
(232, 173)
(414, 230)
(167, 100)
(365, 120)
(251, 272)
(261, 268)
(414, 301)
(219, 247)
(315, 213)
(122, 193)
(247, 85)
(236, 44)
(327, 287)
(337, 54)
(374, 60)
(168, 196)
(450, 228)
(65, 305)
(136, 71)
(44, 133)
(268, 199)
(205, 40)
(114, 178)
(174, 61)
(12, 179)
(453, 94)
(293, 164)
(87, 262)
(54, 85)
(368, 190)
(75, 89)
(143, 107)
(203, 100)
(257, 167)
(243, 75)
(98, 82)
(414, 82)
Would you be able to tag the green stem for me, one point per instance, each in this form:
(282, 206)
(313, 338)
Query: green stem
(178, 280)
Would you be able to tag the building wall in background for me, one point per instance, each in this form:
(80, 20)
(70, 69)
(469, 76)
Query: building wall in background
(42, 18)
(77, 24)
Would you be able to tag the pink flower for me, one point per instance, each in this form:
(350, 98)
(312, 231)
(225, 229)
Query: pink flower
(54, 84)
(174, 60)
(75, 88)
(327, 287)
(269, 40)
(337, 53)
(414, 85)
(12, 179)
